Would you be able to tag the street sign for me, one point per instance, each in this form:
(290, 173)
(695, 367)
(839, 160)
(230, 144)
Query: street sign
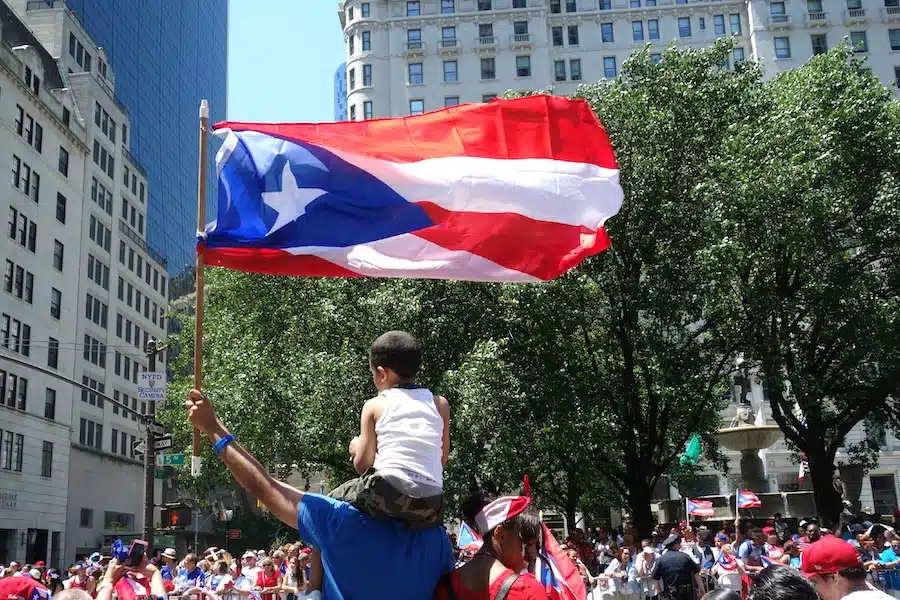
(234, 534)
(160, 473)
(152, 386)
(139, 447)
(163, 443)
(166, 460)
(156, 428)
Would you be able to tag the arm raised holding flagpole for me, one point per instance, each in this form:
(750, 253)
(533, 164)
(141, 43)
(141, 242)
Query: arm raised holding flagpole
(198, 310)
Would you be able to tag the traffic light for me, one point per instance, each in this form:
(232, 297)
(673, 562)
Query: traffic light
(176, 516)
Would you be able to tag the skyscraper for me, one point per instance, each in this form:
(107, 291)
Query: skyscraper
(167, 55)
(340, 93)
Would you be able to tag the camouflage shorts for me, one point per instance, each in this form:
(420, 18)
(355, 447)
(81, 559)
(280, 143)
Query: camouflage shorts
(376, 497)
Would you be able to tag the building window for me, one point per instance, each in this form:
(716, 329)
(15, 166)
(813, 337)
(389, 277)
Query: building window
(575, 69)
(415, 74)
(518, 3)
(570, 6)
(451, 101)
(448, 7)
(858, 41)
(684, 27)
(60, 208)
(557, 34)
(819, 43)
(366, 41)
(350, 14)
(884, 493)
(653, 29)
(520, 28)
(53, 353)
(55, 303)
(367, 75)
(609, 67)
(782, 47)
(637, 30)
(488, 97)
(367, 114)
(351, 74)
(735, 23)
(364, 9)
(47, 460)
(414, 39)
(855, 4)
(58, 251)
(559, 70)
(635, 3)
(573, 35)
(416, 107)
(737, 55)
(894, 38)
(606, 32)
(352, 112)
(719, 24)
(50, 404)
(484, 4)
(87, 516)
(523, 66)
(655, 58)
(488, 68)
(555, 7)
(776, 9)
(351, 45)
(63, 161)
(702, 21)
(450, 74)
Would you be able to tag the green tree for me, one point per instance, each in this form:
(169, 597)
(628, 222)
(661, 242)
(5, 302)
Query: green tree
(810, 208)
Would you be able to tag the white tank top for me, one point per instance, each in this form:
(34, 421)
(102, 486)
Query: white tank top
(410, 436)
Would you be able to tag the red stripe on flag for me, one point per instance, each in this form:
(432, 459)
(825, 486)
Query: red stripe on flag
(272, 261)
(533, 127)
(551, 250)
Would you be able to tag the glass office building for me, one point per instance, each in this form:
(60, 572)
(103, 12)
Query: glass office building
(167, 55)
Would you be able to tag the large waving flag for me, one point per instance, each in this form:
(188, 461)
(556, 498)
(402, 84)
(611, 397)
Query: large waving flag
(556, 570)
(510, 190)
(700, 508)
(747, 499)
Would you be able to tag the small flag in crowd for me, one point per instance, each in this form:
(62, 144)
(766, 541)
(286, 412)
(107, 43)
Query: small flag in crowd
(692, 452)
(804, 467)
(509, 190)
(557, 571)
(748, 499)
(467, 536)
(727, 561)
(700, 508)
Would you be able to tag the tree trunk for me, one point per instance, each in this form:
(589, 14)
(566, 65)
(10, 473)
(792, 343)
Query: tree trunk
(639, 505)
(828, 500)
(571, 510)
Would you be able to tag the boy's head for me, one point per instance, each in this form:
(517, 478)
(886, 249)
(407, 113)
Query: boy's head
(395, 357)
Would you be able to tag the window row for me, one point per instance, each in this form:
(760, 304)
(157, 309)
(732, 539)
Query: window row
(98, 272)
(416, 72)
(90, 434)
(22, 230)
(29, 129)
(559, 70)
(12, 446)
(132, 215)
(78, 52)
(15, 335)
(25, 179)
(132, 296)
(128, 368)
(18, 281)
(106, 123)
(13, 391)
(134, 183)
(124, 328)
(101, 196)
(99, 233)
(96, 311)
(90, 397)
(120, 443)
(104, 160)
(143, 269)
(94, 352)
(366, 77)
(365, 38)
(123, 397)
(364, 9)
(448, 7)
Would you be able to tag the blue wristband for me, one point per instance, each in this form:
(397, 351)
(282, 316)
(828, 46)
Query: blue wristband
(220, 445)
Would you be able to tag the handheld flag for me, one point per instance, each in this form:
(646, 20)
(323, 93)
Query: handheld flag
(511, 190)
(692, 452)
(727, 561)
(748, 499)
(466, 536)
(804, 468)
(700, 508)
(557, 572)
(22, 588)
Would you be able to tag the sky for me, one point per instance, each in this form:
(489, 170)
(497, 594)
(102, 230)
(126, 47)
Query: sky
(282, 55)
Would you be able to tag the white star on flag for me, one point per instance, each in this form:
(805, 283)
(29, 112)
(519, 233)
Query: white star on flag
(290, 203)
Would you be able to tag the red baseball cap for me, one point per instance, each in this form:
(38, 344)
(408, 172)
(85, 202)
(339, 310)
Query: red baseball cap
(768, 530)
(828, 555)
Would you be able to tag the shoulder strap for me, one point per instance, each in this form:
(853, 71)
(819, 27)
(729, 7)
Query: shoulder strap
(506, 586)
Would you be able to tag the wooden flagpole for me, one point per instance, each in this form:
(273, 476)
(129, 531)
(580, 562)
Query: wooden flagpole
(198, 308)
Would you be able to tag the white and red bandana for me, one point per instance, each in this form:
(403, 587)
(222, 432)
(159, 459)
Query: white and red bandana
(500, 511)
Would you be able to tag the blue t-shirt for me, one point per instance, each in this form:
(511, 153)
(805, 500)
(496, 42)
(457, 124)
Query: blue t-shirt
(365, 558)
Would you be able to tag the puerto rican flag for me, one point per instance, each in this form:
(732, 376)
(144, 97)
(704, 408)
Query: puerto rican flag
(748, 499)
(511, 190)
(700, 508)
(557, 572)
(467, 536)
(727, 561)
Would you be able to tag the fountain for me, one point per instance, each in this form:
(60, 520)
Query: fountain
(743, 436)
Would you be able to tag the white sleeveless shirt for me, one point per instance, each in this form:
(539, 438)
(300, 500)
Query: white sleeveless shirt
(410, 437)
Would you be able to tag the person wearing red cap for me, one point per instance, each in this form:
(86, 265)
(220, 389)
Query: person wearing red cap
(835, 568)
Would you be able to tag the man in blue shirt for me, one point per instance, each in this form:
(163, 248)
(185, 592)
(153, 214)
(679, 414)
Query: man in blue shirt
(364, 558)
(169, 556)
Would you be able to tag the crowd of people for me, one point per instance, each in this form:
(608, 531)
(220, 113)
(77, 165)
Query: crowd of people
(725, 557)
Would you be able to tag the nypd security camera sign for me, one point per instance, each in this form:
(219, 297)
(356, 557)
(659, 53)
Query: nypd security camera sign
(151, 386)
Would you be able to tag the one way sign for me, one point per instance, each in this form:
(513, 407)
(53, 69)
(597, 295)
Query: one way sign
(139, 447)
